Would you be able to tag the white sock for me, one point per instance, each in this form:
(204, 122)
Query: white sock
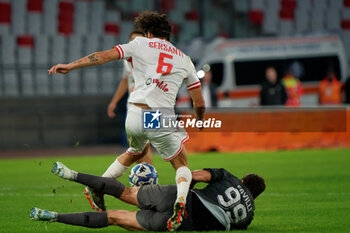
(184, 186)
(115, 170)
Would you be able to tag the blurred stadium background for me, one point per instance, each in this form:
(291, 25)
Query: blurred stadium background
(38, 111)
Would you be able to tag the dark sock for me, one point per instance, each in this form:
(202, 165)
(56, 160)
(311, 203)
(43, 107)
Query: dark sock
(100, 184)
(85, 219)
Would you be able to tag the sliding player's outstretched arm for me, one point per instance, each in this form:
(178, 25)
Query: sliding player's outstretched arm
(93, 59)
(201, 176)
(208, 175)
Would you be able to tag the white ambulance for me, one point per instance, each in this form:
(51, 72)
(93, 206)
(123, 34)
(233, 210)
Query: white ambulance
(238, 66)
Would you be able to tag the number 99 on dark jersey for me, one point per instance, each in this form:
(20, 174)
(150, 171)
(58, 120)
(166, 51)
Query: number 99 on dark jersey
(228, 200)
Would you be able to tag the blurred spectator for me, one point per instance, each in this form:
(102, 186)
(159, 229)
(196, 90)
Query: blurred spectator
(330, 89)
(272, 91)
(293, 88)
(346, 91)
(297, 69)
(208, 88)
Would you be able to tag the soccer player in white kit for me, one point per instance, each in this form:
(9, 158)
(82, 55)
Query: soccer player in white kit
(127, 84)
(159, 69)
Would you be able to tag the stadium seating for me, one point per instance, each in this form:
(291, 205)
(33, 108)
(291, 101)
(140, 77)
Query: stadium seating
(302, 20)
(256, 16)
(303, 15)
(270, 20)
(41, 58)
(81, 16)
(50, 17)
(25, 46)
(58, 48)
(333, 20)
(290, 17)
(8, 56)
(11, 83)
(96, 22)
(317, 19)
(91, 76)
(66, 18)
(257, 4)
(337, 4)
(18, 16)
(112, 28)
(61, 31)
(167, 5)
(5, 18)
(35, 10)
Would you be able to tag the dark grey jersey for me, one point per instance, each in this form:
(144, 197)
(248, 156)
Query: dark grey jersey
(227, 199)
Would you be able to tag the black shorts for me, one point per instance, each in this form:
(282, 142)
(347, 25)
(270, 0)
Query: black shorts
(157, 205)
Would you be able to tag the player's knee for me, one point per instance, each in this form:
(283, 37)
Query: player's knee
(142, 154)
(159, 222)
(180, 160)
(121, 218)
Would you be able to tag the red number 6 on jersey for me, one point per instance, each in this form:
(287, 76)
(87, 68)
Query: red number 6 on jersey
(162, 64)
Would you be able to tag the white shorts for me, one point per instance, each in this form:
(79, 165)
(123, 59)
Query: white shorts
(168, 144)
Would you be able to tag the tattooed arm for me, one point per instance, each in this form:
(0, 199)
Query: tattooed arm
(97, 58)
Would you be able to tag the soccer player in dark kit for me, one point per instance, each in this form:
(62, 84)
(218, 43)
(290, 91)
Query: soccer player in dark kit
(226, 203)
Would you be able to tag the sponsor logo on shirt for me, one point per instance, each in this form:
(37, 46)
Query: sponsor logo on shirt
(161, 85)
(148, 81)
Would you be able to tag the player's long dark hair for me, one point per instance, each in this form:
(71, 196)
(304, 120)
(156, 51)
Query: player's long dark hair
(155, 23)
(254, 183)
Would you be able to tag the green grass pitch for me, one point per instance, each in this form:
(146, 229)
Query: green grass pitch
(307, 190)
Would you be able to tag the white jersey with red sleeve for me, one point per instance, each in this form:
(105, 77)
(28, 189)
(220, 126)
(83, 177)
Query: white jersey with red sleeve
(159, 69)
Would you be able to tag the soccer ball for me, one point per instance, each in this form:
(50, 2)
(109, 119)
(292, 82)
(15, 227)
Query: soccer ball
(142, 174)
